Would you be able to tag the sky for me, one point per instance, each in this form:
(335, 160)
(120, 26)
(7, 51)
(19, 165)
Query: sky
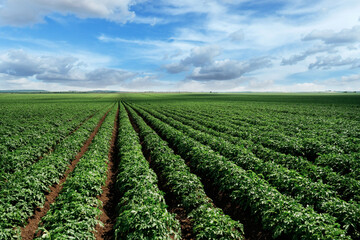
(171, 45)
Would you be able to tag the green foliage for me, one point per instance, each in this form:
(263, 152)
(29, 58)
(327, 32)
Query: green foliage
(212, 223)
(142, 212)
(76, 212)
(209, 222)
(292, 160)
(25, 189)
(278, 213)
(31, 130)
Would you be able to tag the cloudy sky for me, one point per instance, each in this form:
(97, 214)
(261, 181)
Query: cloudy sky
(187, 45)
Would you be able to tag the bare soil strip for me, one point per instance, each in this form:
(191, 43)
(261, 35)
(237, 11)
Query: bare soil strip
(109, 196)
(252, 228)
(28, 232)
(173, 205)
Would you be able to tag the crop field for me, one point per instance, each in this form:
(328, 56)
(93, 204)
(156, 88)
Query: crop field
(180, 166)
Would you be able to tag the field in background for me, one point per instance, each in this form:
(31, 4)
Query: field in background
(180, 166)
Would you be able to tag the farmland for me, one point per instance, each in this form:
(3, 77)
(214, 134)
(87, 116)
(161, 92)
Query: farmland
(180, 166)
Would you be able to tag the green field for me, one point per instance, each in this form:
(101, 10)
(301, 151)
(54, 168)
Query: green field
(180, 166)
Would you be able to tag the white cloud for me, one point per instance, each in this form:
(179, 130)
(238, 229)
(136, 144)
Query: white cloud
(153, 49)
(237, 35)
(199, 56)
(345, 36)
(345, 81)
(146, 83)
(105, 38)
(302, 56)
(229, 69)
(175, 7)
(298, 37)
(23, 12)
(174, 68)
(334, 61)
(66, 70)
(257, 84)
(215, 86)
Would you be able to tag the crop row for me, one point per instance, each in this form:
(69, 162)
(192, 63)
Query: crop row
(346, 164)
(299, 121)
(22, 124)
(305, 143)
(21, 158)
(278, 213)
(347, 187)
(142, 212)
(287, 181)
(76, 212)
(25, 190)
(208, 222)
(33, 129)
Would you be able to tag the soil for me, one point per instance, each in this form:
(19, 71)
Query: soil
(173, 204)
(28, 232)
(109, 196)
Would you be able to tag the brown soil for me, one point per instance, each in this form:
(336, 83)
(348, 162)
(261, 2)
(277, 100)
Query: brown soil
(173, 204)
(109, 196)
(252, 228)
(28, 232)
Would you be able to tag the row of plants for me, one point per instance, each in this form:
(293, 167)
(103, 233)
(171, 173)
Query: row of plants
(309, 143)
(17, 117)
(75, 213)
(25, 190)
(209, 222)
(288, 118)
(346, 164)
(347, 187)
(41, 139)
(23, 123)
(142, 211)
(272, 138)
(288, 182)
(279, 214)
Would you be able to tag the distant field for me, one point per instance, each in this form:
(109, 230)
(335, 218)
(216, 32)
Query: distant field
(180, 166)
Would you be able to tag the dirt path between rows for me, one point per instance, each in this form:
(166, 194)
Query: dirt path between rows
(28, 232)
(109, 196)
(174, 206)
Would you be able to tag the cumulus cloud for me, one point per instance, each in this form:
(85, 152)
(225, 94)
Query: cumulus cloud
(345, 36)
(229, 69)
(176, 68)
(23, 12)
(332, 41)
(199, 56)
(328, 62)
(67, 70)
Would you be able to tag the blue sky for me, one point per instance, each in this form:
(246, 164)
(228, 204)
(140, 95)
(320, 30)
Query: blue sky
(212, 45)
